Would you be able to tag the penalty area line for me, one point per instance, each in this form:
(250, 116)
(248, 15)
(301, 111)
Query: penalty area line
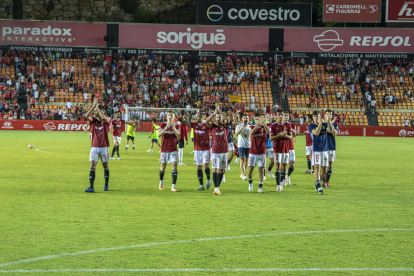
(208, 269)
(194, 240)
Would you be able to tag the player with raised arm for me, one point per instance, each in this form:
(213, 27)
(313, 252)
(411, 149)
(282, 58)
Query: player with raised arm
(291, 148)
(153, 135)
(333, 126)
(183, 131)
(99, 145)
(134, 126)
(201, 147)
(116, 130)
(219, 133)
(169, 131)
(280, 134)
(269, 151)
(257, 153)
(243, 143)
(318, 130)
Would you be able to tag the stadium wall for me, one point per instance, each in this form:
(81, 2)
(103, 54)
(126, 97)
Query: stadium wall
(196, 40)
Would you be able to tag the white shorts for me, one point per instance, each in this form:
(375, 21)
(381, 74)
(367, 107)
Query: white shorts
(320, 158)
(291, 155)
(308, 150)
(97, 153)
(259, 159)
(231, 147)
(281, 158)
(269, 152)
(171, 156)
(116, 139)
(219, 160)
(201, 157)
(331, 155)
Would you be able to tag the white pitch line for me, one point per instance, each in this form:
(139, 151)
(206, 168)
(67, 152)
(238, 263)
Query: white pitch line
(402, 269)
(190, 241)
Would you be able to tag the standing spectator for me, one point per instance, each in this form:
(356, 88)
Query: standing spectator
(68, 107)
(343, 119)
(373, 103)
(406, 122)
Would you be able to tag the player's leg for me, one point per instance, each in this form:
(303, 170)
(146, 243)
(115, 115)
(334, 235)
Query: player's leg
(283, 171)
(174, 162)
(223, 167)
(251, 165)
(261, 164)
(292, 160)
(308, 160)
(106, 175)
(117, 147)
(91, 177)
(127, 145)
(329, 171)
(269, 153)
(206, 162)
(152, 143)
(316, 157)
(114, 148)
(158, 144)
(215, 166)
(198, 160)
(181, 152)
(133, 142)
(324, 165)
(164, 157)
(231, 154)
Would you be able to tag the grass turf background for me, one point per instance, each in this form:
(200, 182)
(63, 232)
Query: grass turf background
(44, 210)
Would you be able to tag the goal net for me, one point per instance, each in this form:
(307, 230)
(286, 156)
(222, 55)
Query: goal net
(145, 114)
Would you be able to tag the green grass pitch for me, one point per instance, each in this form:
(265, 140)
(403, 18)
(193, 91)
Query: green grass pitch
(45, 212)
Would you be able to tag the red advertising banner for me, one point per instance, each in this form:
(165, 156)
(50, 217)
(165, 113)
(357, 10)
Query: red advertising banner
(43, 125)
(193, 37)
(352, 11)
(349, 40)
(52, 33)
(400, 11)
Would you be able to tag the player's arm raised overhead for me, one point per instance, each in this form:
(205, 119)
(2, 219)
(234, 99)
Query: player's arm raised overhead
(183, 121)
(223, 115)
(89, 113)
(209, 118)
(104, 118)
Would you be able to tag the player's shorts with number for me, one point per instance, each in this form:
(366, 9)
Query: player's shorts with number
(231, 146)
(331, 155)
(259, 159)
(291, 155)
(308, 150)
(320, 158)
(269, 152)
(97, 153)
(201, 157)
(281, 157)
(116, 139)
(165, 156)
(219, 160)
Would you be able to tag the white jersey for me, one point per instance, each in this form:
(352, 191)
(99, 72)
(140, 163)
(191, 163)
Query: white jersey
(243, 140)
